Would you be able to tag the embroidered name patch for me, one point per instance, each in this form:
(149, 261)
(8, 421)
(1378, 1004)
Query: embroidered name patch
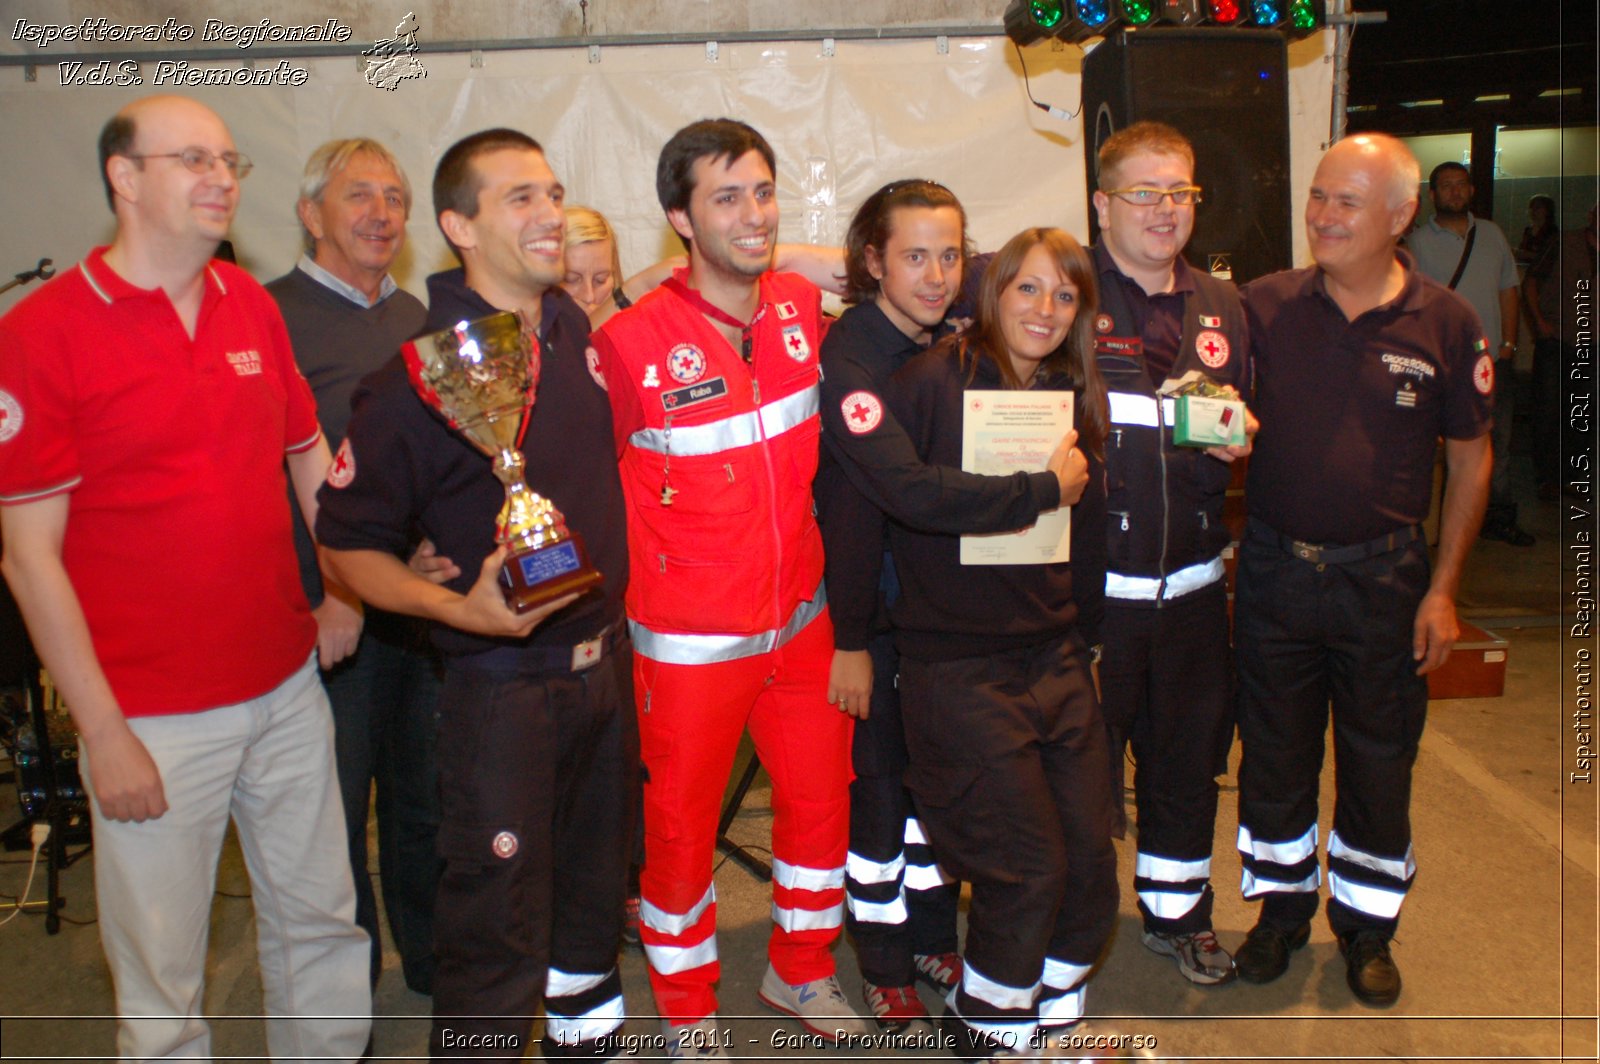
(679, 398)
(245, 363)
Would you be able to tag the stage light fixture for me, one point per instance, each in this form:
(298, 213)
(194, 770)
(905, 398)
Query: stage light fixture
(1138, 13)
(1182, 12)
(1225, 12)
(1267, 14)
(1306, 17)
(1028, 21)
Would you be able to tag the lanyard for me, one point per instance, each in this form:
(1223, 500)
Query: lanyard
(716, 313)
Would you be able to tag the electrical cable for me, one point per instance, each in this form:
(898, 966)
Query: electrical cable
(1027, 86)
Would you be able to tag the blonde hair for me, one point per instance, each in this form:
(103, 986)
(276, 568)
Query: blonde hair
(585, 225)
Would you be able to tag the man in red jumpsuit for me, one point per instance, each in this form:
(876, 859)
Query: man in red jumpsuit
(713, 384)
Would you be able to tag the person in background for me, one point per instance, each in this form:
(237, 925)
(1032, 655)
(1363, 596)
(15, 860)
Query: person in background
(346, 317)
(1471, 256)
(1540, 252)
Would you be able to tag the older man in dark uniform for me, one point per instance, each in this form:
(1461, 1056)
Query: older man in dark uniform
(1362, 364)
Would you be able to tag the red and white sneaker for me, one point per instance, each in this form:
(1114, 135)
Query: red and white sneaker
(942, 971)
(894, 1008)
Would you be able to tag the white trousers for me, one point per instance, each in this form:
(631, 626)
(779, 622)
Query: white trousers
(267, 763)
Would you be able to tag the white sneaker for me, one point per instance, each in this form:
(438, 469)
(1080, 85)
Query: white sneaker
(819, 1005)
(706, 1039)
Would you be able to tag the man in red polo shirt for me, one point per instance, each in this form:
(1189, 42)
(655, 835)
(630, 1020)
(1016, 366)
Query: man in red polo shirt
(151, 403)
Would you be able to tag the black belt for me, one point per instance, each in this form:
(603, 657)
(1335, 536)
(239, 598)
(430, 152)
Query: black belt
(1318, 554)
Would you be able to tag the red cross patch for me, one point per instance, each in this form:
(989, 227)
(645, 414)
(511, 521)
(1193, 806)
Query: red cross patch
(1103, 323)
(343, 469)
(795, 344)
(686, 363)
(1483, 374)
(1212, 347)
(862, 412)
(10, 416)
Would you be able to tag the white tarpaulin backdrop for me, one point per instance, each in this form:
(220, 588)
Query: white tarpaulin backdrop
(842, 125)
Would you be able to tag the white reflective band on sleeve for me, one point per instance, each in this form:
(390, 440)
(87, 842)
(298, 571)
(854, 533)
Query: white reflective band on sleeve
(1365, 898)
(725, 434)
(915, 835)
(1402, 869)
(1064, 975)
(1166, 870)
(673, 649)
(564, 984)
(878, 912)
(1182, 582)
(596, 1023)
(1250, 886)
(1286, 853)
(669, 960)
(926, 877)
(864, 871)
(675, 923)
(799, 877)
(1169, 905)
(975, 984)
(808, 919)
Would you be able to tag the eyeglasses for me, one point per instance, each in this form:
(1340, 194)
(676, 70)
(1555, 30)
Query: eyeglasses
(1145, 196)
(201, 160)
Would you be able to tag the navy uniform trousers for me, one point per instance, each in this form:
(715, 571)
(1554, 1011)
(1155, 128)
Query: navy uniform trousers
(1165, 688)
(538, 774)
(1011, 770)
(1308, 635)
(899, 902)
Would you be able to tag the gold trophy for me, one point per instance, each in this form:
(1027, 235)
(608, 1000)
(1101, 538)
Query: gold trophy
(482, 376)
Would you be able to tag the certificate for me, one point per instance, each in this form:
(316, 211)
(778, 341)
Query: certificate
(1003, 432)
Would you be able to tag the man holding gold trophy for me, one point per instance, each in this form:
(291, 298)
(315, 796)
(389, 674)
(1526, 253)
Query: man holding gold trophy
(473, 437)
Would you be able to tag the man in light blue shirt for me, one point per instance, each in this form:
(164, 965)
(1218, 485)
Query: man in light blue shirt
(1486, 277)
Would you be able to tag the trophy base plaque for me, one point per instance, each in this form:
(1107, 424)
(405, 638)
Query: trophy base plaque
(530, 578)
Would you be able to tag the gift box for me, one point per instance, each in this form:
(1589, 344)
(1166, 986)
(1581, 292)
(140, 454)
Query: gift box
(1203, 421)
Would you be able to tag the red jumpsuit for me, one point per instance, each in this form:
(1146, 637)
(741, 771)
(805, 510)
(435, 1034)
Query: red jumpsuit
(729, 620)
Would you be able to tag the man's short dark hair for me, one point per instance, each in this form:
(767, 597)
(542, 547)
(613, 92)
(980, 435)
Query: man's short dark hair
(710, 138)
(1433, 176)
(116, 138)
(456, 182)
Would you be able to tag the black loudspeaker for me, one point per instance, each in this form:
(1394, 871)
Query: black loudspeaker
(1228, 92)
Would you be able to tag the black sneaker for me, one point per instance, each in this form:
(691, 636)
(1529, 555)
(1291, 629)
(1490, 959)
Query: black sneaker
(1265, 953)
(1369, 969)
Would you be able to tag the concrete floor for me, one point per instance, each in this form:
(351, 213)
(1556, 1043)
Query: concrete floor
(1498, 946)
